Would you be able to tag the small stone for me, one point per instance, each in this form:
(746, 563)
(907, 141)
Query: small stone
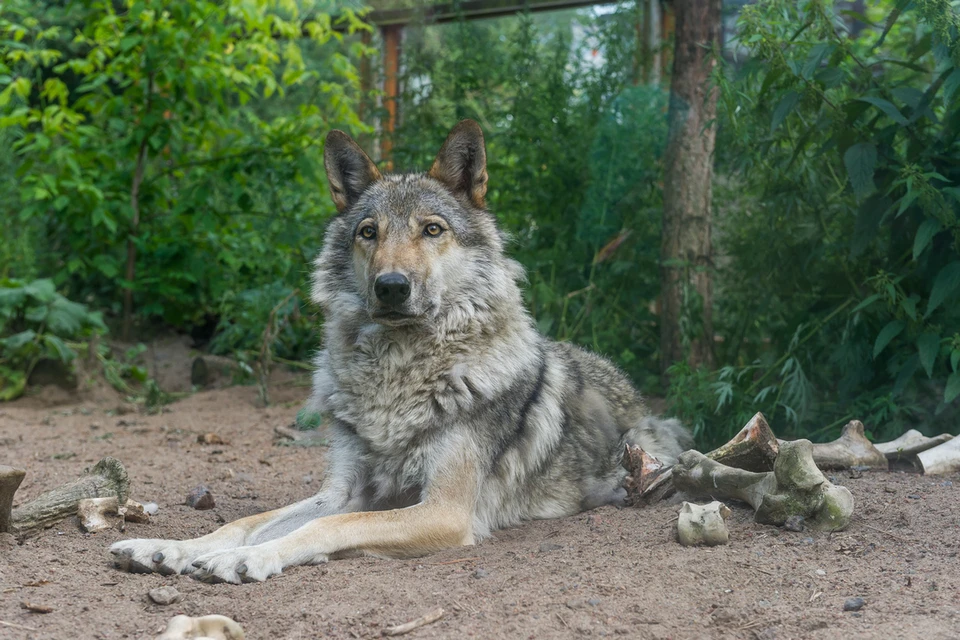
(808, 541)
(480, 573)
(151, 508)
(889, 489)
(794, 523)
(576, 604)
(593, 602)
(821, 572)
(164, 595)
(200, 498)
(853, 604)
(946, 483)
(550, 546)
(764, 604)
(211, 438)
(308, 479)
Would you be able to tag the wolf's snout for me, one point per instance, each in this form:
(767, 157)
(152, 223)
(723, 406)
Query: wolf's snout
(392, 289)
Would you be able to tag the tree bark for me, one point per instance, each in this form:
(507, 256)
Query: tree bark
(685, 249)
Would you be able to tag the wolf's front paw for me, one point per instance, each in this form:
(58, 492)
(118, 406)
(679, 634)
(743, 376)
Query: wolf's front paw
(243, 564)
(155, 556)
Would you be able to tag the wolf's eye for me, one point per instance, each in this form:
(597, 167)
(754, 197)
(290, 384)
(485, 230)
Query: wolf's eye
(368, 232)
(432, 229)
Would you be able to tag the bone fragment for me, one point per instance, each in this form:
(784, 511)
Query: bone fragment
(645, 474)
(98, 514)
(204, 628)
(851, 449)
(754, 448)
(106, 478)
(10, 480)
(794, 487)
(942, 459)
(907, 446)
(703, 524)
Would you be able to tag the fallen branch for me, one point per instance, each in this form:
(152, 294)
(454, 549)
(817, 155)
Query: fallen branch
(106, 478)
(427, 618)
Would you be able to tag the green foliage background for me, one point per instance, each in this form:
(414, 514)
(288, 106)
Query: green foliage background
(837, 263)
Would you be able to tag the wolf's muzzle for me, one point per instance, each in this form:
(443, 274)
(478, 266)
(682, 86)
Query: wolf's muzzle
(392, 289)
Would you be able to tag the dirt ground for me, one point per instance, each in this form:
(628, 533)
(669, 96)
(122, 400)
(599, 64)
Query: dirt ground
(605, 573)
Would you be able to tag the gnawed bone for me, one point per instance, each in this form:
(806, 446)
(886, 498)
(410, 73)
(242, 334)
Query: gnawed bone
(851, 449)
(106, 478)
(205, 628)
(10, 480)
(942, 459)
(98, 514)
(755, 448)
(794, 487)
(703, 524)
(910, 444)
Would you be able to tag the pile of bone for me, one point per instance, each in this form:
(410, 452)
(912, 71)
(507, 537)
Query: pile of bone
(781, 480)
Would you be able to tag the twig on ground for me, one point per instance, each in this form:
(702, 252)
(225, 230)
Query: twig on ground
(22, 627)
(455, 561)
(407, 627)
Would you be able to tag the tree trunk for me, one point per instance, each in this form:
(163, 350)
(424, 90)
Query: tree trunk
(685, 247)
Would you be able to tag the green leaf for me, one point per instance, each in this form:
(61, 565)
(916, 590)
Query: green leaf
(887, 107)
(955, 360)
(815, 58)
(951, 84)
(952, 390)
(56, 348)
(926, 232)
(888, 333)
(41, 290)
(867, 224)
(909, 306)
(946, 282)
(861, 160)
(785, 106)
(12, 383)
(928, 346)
(866, 303)
(18, 340)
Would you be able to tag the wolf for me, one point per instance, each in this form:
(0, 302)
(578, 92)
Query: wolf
(449, 415)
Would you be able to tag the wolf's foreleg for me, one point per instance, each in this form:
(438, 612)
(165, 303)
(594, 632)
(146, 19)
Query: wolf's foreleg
(177, 556)
(443, 520)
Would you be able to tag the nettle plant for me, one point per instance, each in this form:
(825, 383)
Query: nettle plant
(841, 275)
(37, 323)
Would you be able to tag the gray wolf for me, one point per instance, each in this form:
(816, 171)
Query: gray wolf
(450, 415)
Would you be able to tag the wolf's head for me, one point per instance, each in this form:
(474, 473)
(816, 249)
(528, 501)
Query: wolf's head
(412, 249)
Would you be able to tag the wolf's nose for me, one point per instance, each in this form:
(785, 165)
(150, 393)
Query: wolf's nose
(392, 288)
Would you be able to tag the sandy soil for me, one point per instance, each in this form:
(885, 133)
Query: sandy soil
(604, 573)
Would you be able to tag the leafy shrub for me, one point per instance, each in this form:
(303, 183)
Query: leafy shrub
(35, 323)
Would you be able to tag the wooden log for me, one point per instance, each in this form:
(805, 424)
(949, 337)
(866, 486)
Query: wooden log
(106, 478)
(10, 479)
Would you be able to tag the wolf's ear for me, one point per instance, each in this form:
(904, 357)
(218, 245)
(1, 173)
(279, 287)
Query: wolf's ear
(462, 162)
(349, 170)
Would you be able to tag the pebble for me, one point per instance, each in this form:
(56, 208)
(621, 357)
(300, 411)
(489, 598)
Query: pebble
(794, 523)
(200, 498)
(808, 541)
(821, 572)
(151, 508)
(480, 573)
(593, 602)
(550, 546)
(853, 604)
(946, 483)
(914, 496)
(164, 595)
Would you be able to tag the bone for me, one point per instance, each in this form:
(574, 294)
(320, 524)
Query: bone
(99, 514)
(205, 628)
(645, 474)
(942, 459)
(106, 478)
(703, 524)
(851, 449)
(754, 448)
(795, 487)
(428, 618)
(10, 480)
(907, 446)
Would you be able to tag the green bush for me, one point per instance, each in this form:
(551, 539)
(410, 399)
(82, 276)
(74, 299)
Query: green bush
(35, 323)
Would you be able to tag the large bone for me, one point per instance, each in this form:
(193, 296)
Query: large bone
(795, 487)
(211, 627)
(942, 459)
(10, 480)
(703, 524)
(106, 478)
(851, 449)
(910, 444)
